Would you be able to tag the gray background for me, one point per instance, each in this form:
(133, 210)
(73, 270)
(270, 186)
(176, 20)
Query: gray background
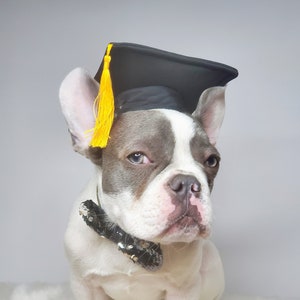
(256, 196)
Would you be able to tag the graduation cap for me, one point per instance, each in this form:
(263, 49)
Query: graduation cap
(136, 77)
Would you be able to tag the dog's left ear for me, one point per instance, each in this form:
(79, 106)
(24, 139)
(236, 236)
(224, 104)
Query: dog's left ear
(210, 111)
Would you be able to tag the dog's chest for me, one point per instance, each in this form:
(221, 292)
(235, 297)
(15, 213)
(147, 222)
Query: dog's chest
(181, 269)
(134, 287)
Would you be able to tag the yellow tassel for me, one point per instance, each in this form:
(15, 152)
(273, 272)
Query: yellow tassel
(104, 106)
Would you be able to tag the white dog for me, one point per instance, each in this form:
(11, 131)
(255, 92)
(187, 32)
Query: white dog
(152, 189)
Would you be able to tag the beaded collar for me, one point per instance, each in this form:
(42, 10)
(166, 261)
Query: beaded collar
(145, 253)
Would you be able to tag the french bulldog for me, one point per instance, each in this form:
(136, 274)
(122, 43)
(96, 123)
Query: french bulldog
(153, 181)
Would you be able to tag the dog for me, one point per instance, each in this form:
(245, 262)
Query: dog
(153, 180)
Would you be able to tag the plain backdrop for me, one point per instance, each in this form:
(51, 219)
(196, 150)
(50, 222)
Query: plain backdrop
(256, 195)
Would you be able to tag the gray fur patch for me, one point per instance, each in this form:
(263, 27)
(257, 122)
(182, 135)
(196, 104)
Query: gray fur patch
(201, 149)
(147, 132)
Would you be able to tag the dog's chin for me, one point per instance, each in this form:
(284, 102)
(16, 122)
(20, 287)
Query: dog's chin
(185, 230)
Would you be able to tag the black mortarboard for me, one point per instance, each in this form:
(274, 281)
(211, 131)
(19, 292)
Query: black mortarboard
(146, 78)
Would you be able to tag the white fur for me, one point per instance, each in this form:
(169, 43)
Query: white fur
(44, 291)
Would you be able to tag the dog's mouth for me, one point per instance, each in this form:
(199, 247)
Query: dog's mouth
(186, 223)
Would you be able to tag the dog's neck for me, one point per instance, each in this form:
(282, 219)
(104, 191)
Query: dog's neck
(145, 253)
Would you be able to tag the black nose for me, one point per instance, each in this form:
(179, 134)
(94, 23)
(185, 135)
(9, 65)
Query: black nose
(182, 185)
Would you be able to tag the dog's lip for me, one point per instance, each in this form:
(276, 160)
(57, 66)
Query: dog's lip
(186, 216)
(186, 222)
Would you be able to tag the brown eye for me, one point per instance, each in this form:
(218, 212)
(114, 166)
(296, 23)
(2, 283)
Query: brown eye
(212, 161)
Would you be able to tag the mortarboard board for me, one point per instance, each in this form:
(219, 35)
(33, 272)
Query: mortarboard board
(136, 77)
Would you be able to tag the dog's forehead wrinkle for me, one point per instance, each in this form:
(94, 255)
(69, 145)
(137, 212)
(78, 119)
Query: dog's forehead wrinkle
(135, 127)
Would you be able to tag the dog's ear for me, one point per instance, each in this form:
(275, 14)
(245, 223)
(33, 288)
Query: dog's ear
(77, 94)
(210, 111)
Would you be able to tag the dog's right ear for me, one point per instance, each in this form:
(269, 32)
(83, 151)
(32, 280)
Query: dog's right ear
(77, 94)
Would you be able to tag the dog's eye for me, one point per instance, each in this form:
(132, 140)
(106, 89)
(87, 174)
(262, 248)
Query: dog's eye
(138, 158)
(212, 161)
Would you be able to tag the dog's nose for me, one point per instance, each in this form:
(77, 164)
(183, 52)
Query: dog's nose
(182, 185)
